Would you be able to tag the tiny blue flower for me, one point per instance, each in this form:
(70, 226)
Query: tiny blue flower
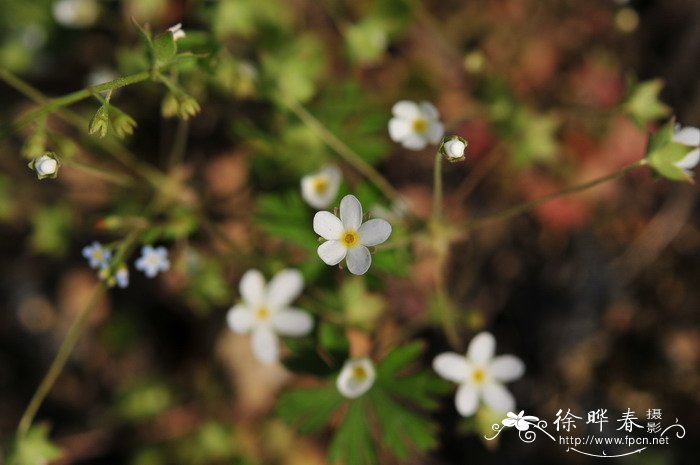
(97, 256)
(122, 277)
(153, 260)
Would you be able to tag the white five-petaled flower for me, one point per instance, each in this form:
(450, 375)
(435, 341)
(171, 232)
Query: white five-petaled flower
(480, 375)
(689, 137)
(97, 256)
(356, 378)
(266, 312)
(153, 260)
(414, 125)
(177, 31)
(349, 236)
(520, 421)
(319, 189)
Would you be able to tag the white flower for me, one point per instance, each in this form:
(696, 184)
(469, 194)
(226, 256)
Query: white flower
(122, 277)
(266, 312)
(356, 378)
(520, 421)
(45, 166)
(480, 375)
(689, 137)
(453, 148)
(177, 31)
(414, 125)
(76, 13)
(319, 189)
(97, 256)
(348, 236)
(153, 260)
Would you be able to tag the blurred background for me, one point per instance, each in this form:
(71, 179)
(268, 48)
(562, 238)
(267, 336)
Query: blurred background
(596, 292)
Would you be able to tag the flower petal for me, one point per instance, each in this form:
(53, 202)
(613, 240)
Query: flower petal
(690, 161)
(467, 399)
(435, 132)
(688, 135)
(497, 397)
(265, 345)
(414, 142)
(509, 422)
(328, 226)
(292, 322)
(284, 287)
(452, 366)
(399, 129)
(405, 109)
(374, 232)
(332, 252)
(350, 212)
(506, 368)
(481, 348)
(359, 260)
(428, 110)
(239, 319)
(252, 288)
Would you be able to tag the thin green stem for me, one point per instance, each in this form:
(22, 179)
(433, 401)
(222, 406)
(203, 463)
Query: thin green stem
(531, 205)
(342, 149)
(69, 99)
(69, 343)
(437, 188)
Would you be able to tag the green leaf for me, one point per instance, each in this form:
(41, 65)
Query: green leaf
(398, 359)
(362, 308)
(366, 41)
(320, 357)
(309, 409)
(144, 400)
(353, 443)
(33, 448)
(287, 217)
(51, 228)
(295, 68)
(164, 48)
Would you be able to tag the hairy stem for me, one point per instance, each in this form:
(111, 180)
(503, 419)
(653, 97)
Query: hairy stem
(437, 188)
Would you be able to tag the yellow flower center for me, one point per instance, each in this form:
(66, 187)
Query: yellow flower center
(320, 185)
(350, 238)
(479, 375)
(262, 313)
(359, 373)
(420, 125)
(97, 255)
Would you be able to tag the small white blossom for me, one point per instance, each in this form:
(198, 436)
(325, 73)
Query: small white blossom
(520, 421)
(122, 277)
(153, 260)
(453, 148)
(319, 189)
(177, 31)
(46, 166)
(356, 378)
(98, 257)
(415, 125)
(349, 236)
(480, 375)
(265, 311)
(76, 13)
(689, 137)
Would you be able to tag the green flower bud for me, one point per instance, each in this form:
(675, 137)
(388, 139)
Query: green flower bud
(100, 122)
(123, 125)
(45, 166)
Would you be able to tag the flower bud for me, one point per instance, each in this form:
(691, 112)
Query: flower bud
(453, 147)
(188, 107)
(123, 125)
(100, 122)
(46, 166)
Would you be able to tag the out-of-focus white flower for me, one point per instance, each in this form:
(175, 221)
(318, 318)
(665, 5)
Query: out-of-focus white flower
(356, 378)
(153, 260)
(122, 277)
(689, 137)
(100, 75)
(266, 312)
(97, 256)
(46, 166)
(415, 125)
(177, 31)
(319, 189)
(76, 13)
(480, 375)
(453, 147)
(349, 236)
(520, 421)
